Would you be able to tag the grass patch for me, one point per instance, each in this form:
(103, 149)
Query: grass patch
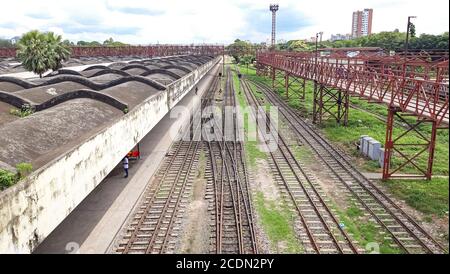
(428, 197)
(252, 150)
(363, 231)
(8, 178)
(278, 225)
(25, 111)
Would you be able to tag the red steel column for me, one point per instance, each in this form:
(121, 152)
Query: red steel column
(273, 78)
(315, 103)
(388, 147)
(321, 104)
(303, 88)
(286, 84)
(346, 106)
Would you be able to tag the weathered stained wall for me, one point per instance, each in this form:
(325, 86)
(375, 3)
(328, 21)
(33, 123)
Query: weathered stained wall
(30, 210)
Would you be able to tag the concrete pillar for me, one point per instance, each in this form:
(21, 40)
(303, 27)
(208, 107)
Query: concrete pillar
(381, 157)
(365, 145)
(374, 149)
(361, 143)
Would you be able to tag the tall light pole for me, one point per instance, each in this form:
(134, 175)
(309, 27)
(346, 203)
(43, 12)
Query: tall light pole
(274, 9)
(407, 33)
(317, 52)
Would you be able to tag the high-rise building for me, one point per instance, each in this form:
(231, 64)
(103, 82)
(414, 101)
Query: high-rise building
(362, 23)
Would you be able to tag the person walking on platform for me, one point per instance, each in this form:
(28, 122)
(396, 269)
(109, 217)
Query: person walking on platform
(125, 166)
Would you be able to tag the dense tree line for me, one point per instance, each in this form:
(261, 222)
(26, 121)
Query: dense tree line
(388, 40)
(240, 49)
(6, 43)
(244, 52)
(108, 42)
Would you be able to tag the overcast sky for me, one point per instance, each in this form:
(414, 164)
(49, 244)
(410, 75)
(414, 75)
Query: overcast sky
(202, 21)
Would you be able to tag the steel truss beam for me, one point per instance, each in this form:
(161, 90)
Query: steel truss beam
(295, 86)
(262, 70)
(413, 84)
(418, 88)
(277, 78)
(143, 51)
(330, 102)
(395, 145)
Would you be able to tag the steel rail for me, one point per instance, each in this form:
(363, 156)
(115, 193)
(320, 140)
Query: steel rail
(354, 173)
(314, 189)
(150, 203)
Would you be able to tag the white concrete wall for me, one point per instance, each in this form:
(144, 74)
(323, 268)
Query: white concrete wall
(30, 210)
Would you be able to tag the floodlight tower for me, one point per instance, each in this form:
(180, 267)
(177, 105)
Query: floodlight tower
(273, 9)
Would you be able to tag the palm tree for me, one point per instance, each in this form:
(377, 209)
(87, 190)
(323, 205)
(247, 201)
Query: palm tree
(40, 52)
(58, 50)
(32, 52)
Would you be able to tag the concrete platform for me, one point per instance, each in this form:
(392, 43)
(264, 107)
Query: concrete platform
(93, 224)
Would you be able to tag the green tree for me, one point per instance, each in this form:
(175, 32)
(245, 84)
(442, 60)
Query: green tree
(111, 43)
(94, 44)
(108, 42)
(412, 29)
(247, 60)
(395, 40)
(68, 43)
(40, 52)
(241, 48)
(298, 45)
(88, 44)
(32, 52)
(58, 51)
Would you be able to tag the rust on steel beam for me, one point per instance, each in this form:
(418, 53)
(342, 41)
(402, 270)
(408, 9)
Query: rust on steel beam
(262, 70)
(415, 85)
(277, 79)
(294, 86)
(331, 103)
(395, 147)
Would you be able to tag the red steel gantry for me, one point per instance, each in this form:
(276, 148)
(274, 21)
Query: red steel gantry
(142, 51)
(413, 85)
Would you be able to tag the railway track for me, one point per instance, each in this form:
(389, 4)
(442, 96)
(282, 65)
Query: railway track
(152, 228)
(404, 231)
(228, 191)
(155, 225)
(320, 229)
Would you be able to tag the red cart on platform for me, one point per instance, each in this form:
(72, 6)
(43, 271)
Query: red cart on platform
(135, 153)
